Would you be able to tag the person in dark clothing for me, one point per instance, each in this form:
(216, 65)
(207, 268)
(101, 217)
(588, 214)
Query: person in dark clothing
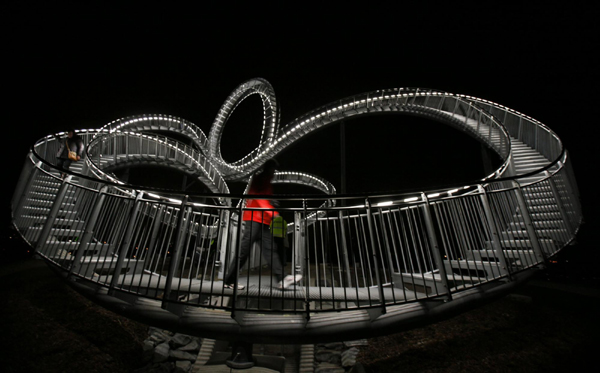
(256, 228)
(72, 143)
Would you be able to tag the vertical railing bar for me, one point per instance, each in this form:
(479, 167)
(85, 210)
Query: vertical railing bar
(155, 230)
(445, 236)
(435, 249)
(355, 272)
(180, 230)
(130, 225)
(88, 231)
(166, 240)
(388, 250)
(344, 249)
(497, 247)
(376, 259)
(138, 230)
(401, 233)
(340, 260)
(306, 261)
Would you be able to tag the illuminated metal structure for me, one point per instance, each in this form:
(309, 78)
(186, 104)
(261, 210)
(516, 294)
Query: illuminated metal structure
(374, 265)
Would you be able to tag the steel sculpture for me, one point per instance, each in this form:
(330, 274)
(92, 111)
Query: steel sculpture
(376, 265)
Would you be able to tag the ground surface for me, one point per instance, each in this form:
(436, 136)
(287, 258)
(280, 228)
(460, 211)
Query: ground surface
(550, 326)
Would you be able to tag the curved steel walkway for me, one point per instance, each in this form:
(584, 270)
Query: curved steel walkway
(372, 265)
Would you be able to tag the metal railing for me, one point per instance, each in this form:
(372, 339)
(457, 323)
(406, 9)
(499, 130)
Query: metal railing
(370, 254)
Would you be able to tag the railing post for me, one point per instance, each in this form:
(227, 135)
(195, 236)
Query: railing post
(88, 231)
(56, 206)
(115, 147)
(298, 241)
(236, 259)
(225, 225)
(304, 257)
(437, 256)
(529, 224)
(497, 247)
(158, 217)
(376, 258)
(125, 243)
(344, 249)
(181, 232)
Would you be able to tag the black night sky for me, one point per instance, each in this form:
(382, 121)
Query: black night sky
(84, 67)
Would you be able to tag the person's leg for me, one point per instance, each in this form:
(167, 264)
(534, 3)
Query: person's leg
(269, 252)
(66, 164)
(250, 235)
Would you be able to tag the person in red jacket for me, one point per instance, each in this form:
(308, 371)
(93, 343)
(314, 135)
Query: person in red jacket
(256, 228)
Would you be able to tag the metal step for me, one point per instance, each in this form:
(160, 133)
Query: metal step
(540, 224)
(515, 259)
(38, 221)
(544, 208)
(542, 202)
(519, 244)
(472, 269)
(59, 234)
(91, 249)
(540, 233)
(105, 266)
(545, 216)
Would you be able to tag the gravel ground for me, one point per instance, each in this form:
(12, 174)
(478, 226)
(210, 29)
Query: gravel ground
(549, 325)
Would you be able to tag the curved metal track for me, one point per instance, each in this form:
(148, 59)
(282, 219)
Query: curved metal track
(371, 266)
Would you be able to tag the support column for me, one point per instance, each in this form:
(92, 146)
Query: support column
(88, 231)
(125, 243)
(181, 230)
(435, 248)
(497, 247)
(374, 254)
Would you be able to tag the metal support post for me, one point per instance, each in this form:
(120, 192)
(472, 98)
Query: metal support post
(344, 250)
(376, 258)
(122, 251)
(227, 229)
(437, 255)
(175, 256)
(298, 246)
(158, 220)
(88, 231)
(115, 147)
(497, 247)
(305, 258)
(238, 245)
